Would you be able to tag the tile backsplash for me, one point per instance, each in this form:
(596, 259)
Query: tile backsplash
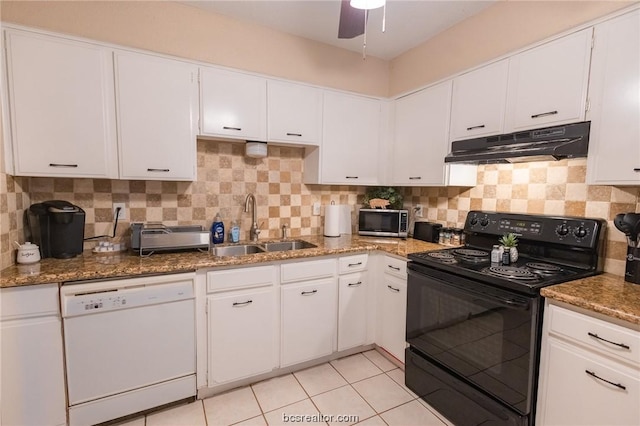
(226, 176)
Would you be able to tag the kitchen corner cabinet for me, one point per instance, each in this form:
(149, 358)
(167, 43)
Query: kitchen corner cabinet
(294, 113)
(614, 146)
(242, 318)
(157, 107)
(233, 105)
(548, 84)
(32, 367)
(589, 372)
(350, 140)
(61, 107)
(478, 102)
(392, 307)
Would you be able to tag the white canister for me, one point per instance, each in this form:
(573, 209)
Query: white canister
(28, 253)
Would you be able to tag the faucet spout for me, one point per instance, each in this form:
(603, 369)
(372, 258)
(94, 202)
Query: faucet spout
(254, 231)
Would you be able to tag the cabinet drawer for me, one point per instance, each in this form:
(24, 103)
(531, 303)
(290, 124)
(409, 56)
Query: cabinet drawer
(394, 266)
(240, 278)
(18, 302)
(607, 338)
(349, 264)
(309, 270)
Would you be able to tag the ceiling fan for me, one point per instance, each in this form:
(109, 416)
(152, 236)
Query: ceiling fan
(353, 18)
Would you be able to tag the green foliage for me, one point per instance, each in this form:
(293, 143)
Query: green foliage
(389, 193)
(509, 240)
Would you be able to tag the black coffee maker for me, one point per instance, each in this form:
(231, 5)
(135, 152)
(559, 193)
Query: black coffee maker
(57, 227)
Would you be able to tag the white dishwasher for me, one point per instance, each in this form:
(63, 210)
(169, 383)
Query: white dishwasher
(129, 345)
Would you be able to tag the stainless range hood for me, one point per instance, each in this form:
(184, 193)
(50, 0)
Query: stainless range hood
(550, 143)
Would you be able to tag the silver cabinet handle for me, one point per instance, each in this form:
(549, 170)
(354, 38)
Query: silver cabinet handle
(544, 114)
(354, 284)
(637, 169)
(62, 165)
(232, 128)
(415, 177)
(294, 134)
(158, 170)
(397, 290)
(481, 126)
(351, 265)
(242, 304)
(351, 177)
(309, 293)
(395, 268)
(618, 385)
(595, 336)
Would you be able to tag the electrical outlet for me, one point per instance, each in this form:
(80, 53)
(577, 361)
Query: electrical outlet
(316, 209)
(122, 214)
(418, 209)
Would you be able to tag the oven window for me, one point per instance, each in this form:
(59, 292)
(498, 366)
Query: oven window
(483, 335)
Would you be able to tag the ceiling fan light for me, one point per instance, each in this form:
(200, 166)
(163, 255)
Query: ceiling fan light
(367, 4)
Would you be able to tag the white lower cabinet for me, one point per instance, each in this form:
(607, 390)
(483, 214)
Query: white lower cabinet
(353, 299)
(32, 367)
(392, 308)
(589, 372)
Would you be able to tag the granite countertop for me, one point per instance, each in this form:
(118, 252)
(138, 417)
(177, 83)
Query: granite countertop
(92, 266)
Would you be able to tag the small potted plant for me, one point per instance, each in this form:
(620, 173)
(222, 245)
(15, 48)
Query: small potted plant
(392, 195)
(510, 240)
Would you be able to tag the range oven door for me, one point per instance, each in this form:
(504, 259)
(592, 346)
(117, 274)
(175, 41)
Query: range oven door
(484, 338)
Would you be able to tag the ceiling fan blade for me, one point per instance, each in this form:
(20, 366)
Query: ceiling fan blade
(351, 21)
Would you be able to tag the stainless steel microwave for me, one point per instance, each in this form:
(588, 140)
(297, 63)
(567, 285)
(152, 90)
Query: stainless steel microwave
(383, 223)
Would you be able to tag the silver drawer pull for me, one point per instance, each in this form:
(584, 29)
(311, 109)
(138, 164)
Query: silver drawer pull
(241, 304)
(351, 265)
(62, 165)
(544, 114)
(415, 177)
(232, 128)
(618, 385)
(397, 290)
(354, 284)
(309, 293)
(158, 170)
(395, 268)
(475, 127)
(294, 134)
(351, 177)
(595, 336)
(637, 169)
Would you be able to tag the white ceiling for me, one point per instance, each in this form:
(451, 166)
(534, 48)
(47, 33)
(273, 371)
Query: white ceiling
(408, 22)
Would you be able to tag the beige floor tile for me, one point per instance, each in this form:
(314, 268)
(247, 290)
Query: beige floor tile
(373, 421)
(382, 393)
(412, 413)
(435, 412)
(191, 414)
(379, 360)
(320, 379)
(278, 392)
(140, 421)
(254, 421)
(343, 401)
(231, 407)
(398, 376)
(289, 414)
(355, 368)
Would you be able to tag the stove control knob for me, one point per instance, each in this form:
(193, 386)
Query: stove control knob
(474, 221)
(562, 230)
(484, 221)
(580, 232)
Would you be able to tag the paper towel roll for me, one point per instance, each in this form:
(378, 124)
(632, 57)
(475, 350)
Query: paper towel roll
(332, 220)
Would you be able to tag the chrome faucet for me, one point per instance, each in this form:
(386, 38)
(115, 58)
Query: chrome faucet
(254, 231)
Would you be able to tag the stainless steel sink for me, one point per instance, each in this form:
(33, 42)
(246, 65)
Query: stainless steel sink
(237, 250)
(287, 245)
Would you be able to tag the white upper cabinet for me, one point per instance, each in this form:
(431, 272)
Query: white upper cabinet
(548, 84)
(351, 138)
(614, 146)
(478, 103)
(157, 104)
(294, 113)
(61, 107)
(233, 105)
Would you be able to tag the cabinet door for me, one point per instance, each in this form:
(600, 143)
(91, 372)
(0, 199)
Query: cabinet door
(570, 394)
(309, 312)
(548, 84)
(422, 136)
(352, 310)
(157, 104)
(392, 308)
(33, 388)
(233, 105)
(294, 113)
(614, 147)
(478, 103)
(351, 137)
(242, 334)
(61, 107)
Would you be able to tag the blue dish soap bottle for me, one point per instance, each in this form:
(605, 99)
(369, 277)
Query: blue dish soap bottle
(217, 230)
